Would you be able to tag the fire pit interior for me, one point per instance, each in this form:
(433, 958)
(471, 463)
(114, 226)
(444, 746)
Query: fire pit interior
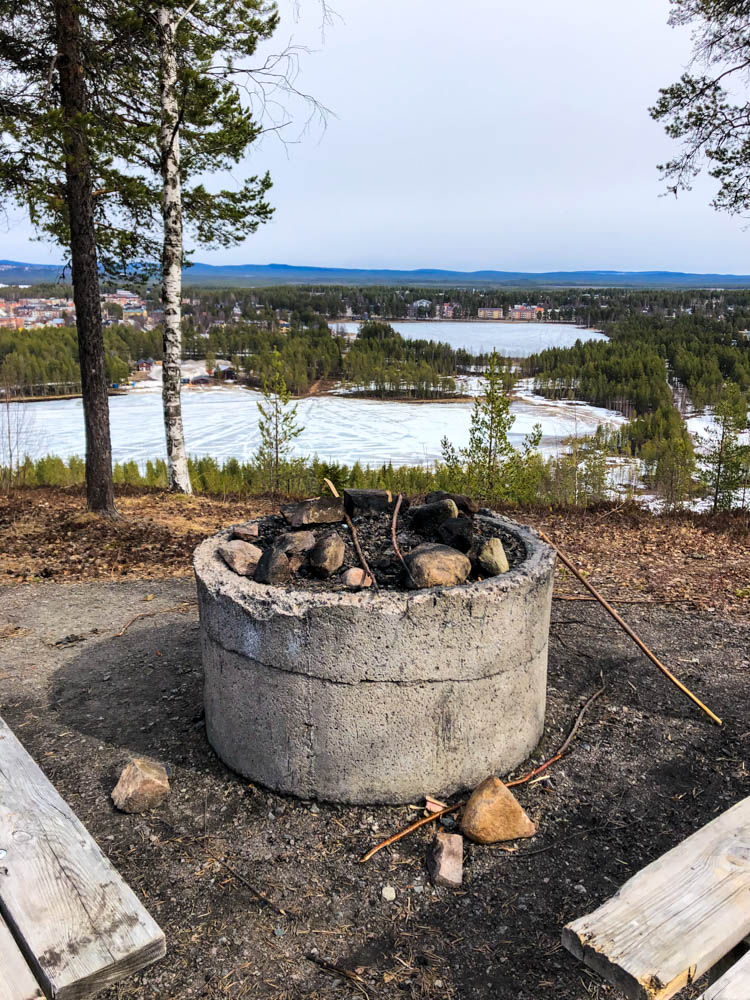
(342, 667)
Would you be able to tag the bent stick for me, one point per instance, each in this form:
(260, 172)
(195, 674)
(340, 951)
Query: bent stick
(628, 630)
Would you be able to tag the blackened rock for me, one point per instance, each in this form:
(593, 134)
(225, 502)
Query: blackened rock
(321, 510)
(457, 532)
(295, 542)
(273, 568)
(464, 503)
(328, 555)
(371, 501)
(437, 566)
(430, 516)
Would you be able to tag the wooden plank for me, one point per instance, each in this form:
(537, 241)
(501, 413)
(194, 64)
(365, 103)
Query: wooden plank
(80, 926)
(733, 985)
(677, 917)
(727, 961)
(16, 979)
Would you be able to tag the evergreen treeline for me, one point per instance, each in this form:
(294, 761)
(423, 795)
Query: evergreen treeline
(379, 362)
(36, 360)
(588, 307)
(631, 371)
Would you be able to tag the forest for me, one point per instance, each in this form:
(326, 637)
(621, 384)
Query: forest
(379, 363)
(630, 371)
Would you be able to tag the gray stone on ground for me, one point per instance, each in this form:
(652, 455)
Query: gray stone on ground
(388, 893)
(142, 785)
(464, 503)
(492, 558)
(457, 532)
(445, 859)
(240, 556)
(295, 542)
(246, 532)
(437, 566)
(273, 568)
(320, 510)
(356, 578)
(430, 516)
(328, 555)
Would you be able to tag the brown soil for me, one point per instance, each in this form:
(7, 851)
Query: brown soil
(646, 769)
(627, 552)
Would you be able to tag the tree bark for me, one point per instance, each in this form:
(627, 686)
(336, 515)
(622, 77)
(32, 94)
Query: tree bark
(85, 267)
(172, 254)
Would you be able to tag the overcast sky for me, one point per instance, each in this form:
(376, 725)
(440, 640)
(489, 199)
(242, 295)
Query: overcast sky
(481, 134)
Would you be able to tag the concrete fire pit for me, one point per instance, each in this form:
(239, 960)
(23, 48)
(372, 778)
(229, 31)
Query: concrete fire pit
(376, 697)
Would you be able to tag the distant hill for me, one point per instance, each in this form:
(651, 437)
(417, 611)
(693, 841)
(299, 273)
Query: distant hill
(243, 275)
(14, 272)
(259, 275)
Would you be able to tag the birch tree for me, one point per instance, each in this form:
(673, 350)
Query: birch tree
(208, 99)
(172, 252)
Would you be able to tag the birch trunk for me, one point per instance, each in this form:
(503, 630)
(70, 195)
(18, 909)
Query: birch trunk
(172, 252)
(84, 263)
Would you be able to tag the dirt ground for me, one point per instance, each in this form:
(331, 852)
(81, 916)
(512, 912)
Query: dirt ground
(695, 559)
(646, 769)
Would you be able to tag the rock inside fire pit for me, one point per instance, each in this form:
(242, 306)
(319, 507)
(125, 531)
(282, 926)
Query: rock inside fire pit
(443, 542)
(326, 684)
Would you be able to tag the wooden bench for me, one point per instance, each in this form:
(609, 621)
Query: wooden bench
(69, 925)
(677, 918)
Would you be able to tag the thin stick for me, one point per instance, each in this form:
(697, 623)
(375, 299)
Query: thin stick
(355, 537)
(360, 553)
(409, 829)
(621, 600)
(248, 885)
(394, 539)
(182, 608)
(339, 970)
(566, 744)
(508, 784)
(628, 630)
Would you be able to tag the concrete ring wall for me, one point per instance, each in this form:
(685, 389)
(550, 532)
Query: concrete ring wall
(364, 697)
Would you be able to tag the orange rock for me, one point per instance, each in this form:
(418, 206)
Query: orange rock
(143, 785)
(493, 814)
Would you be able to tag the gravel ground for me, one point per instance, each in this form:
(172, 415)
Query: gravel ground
(646, 770)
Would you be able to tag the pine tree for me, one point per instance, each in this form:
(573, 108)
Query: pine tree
(722, 463)
(277, 423)
(707, 111)
(488, 467)
(51, 167)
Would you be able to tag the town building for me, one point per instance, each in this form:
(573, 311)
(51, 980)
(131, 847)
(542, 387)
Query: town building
(526, 312)
(490, 312)
(420, 307)
(123, 298)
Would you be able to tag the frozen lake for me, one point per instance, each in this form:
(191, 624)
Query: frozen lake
(223, 422)
(515, 340)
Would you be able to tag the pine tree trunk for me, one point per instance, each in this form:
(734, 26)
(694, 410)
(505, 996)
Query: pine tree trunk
(85, 268)
(172, 253)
